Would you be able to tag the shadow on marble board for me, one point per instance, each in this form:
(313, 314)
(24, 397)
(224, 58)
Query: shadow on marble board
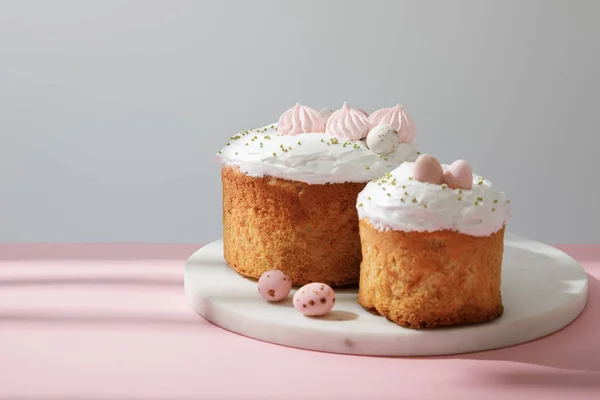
(574, 352)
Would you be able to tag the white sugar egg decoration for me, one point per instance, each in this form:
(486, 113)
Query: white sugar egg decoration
(382, 139)
(326, 113)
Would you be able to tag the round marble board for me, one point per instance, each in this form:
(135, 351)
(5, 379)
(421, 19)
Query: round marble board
(543, 290)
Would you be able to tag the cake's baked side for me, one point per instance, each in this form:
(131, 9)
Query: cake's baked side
(431, 279)
(310, 232)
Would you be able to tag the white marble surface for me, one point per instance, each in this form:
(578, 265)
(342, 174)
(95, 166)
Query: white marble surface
(543, 291)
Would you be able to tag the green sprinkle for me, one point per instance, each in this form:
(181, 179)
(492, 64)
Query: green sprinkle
(274, 154)
(459, 198)
(236, 153)
(480, 198)
(369, 197)
(299, 144)
(414, 200)
(402, 200)
(247, 144)
(356, 146)
(360, 205)
(476, 202)
(367, 167)
(444, 186)
(425, 205)
(322, 140)
(507, 201)
(459, 190)
(406, 193)
(418, 153)
(389, 195)
(228, 144)
(495, 201)
(493, 209)
(403, 186)
(410, 178)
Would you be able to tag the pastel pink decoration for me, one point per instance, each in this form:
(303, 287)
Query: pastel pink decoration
(348, 123)
(300, 119)
(274, 285)
(459, 175)
(428, 169)
(398, 118)
(314, 299)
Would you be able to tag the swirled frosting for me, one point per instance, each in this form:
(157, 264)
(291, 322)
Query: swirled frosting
(396, 201)
(300, 119)
(348, 123)
(313, 158)
(397, 118)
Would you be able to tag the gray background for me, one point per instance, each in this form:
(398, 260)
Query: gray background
(111, 112)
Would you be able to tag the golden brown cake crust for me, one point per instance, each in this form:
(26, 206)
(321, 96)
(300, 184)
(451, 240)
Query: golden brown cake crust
(308, 231)
(431, 279)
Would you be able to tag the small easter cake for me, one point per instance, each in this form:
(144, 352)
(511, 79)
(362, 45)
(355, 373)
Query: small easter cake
(432, 240)
(290, 188)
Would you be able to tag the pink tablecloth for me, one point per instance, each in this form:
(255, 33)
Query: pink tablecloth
(111, 322)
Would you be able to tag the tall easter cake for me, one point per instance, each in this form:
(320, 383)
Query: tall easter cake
(290, 189)
(432, 241)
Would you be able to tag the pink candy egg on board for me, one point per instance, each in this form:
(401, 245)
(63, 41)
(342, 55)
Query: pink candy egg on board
(314, 299)
(428, 170)
(459, 175)
(274, 285)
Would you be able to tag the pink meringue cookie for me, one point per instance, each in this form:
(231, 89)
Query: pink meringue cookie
(300, 119)
(396, 117)
(348, 123)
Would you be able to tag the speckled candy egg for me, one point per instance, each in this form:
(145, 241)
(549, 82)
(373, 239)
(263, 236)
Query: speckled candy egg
(314, 299)
(274, 285)
(382, 139)
(326, 113)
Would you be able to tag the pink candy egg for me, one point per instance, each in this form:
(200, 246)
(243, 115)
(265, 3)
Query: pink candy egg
(314, 299)
(459, 175)
(274, 285)
(428, 170)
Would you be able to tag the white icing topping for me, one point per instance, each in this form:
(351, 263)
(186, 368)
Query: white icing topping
(397, 202)
(313, 158)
